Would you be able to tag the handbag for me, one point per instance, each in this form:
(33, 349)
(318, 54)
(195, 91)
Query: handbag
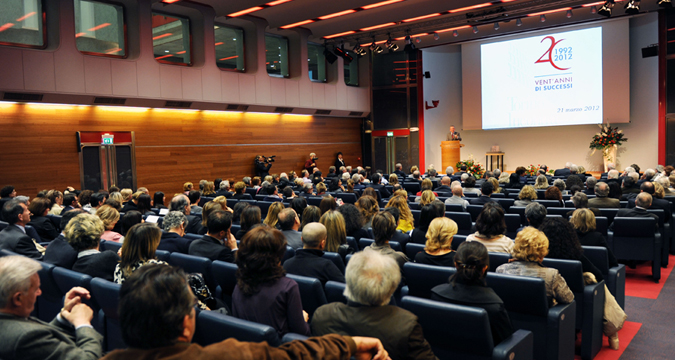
(614, 316)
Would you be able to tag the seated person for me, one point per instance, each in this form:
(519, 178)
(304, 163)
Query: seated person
(467, 287)
(39, 207)
(14, 237)
(263, 294)
(371, 281)
(400, 236)
(308, 261)
(218, 243)
(580, 201)
(526, 196)
(110, 216)
(553, 193)
(457, 197)
(138, 250)
(583, 221)
(530, 248)
(59, 252)
(157, 320)
(438, 248)
(69, 336)
(83, 233)
(490, 226)
(470, 185)
(564, 244)
(427, 215)
(384, 229)
(172, 240)
(486, 190)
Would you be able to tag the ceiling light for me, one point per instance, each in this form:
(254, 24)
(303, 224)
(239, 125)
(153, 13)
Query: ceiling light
(542, 18)
(475, 29)
(569, 14)
(359, 50)
(391, 45)
(376, 49)
(436, 36)
(594, 10)
(606, 10)
(496, 26)
(340, 51)
(418, 40)
(519, 22)
(665, 3)
(455, 33)
(632, 7)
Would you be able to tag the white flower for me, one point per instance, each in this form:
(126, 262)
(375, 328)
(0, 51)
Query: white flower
(620, 132)
(597, 134)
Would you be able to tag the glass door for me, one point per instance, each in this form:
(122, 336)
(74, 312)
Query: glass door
(107, 159)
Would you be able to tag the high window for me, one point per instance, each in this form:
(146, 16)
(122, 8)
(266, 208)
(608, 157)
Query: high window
(229, 48)
(99, 28)
(276, 50)
(171, 39)
(351, 71)
(22, 23)
(317, 62)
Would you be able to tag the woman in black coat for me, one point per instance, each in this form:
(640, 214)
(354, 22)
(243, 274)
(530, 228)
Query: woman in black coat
(39, 207)
(583, 221)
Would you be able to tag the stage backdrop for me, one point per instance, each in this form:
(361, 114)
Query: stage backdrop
(552, 146)
(172, 147)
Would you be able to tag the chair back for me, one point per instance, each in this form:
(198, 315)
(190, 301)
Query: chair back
(213, 327)
(520, 294)
(311, 292)
(421, 278)
(457, 240)
(49, 304)
(162, 255)
(110, 245)
(225, 275)
(194, 264)
(351, 241)
(463, 220)
(411, 249)
(512, 224)
(498, 258)
(506, 203)
(454, 207)
(520, 210)
(290, 252)
(474, 210)
(107, 295)
(335, 292)
(336, 259)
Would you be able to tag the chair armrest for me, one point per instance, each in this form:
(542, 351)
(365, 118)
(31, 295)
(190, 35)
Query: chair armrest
(520, 344)
(616, 283)
(405, 291)
(291, 337)
(591, 328)
(560, 325)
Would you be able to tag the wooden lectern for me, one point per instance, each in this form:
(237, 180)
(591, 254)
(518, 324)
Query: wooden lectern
(450, 153)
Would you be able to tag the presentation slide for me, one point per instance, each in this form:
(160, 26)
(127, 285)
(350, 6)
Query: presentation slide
(548, 80)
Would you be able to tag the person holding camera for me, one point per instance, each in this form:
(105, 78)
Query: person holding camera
(262, 166)
(310, 164)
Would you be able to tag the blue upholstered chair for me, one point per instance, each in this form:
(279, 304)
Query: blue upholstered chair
(213, 327)
(107, 295)
(615, 278)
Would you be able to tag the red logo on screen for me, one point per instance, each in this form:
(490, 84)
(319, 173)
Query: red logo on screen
(548, 53)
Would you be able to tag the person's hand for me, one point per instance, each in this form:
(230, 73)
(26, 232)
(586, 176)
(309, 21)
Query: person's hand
(74, 297)
(119, 252)
(305, 315)
(231, 241)
(70, 188)
(229, 209)
(369, 348)
(78, 315)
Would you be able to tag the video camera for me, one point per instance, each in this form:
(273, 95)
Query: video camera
(315, 158)
(269, 159)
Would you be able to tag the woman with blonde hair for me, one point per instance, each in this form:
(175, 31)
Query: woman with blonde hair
(56, 200)
(406, 220)
(126, 195)
(583, 221)
(426, 185)
(368, 207)
(187, 187)
(320, 189)
(400, 192)
(526, 196)
(427, 197)
(209, 189)
(504, 178)
(438, 248)
(83, 233)
(393, 179)
(495, 186)
(336, 232)
(273, 211)
(109, 216)
(541, 182)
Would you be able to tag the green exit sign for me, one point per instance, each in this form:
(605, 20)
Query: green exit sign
(107, 139)
(390, 133)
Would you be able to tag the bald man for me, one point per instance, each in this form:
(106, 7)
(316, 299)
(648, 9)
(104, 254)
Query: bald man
(642, 202)
(309, 260)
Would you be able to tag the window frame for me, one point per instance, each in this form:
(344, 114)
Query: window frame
(355, 58)
(44, 33)
(243, 42)
(191, 47)
(125, 28)
(281, 76)
(325, 80)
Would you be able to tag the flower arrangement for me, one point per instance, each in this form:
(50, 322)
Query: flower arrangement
(532, 169)
(608, 137)
(472, 167)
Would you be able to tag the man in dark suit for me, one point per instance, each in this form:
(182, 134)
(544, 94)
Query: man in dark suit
(262, 166)
(69, 203)
(339, 161)
(601, 200)
(358, 182)
(564, 171)
(69, 336)
(309, 260)
(59, 252)
(224, 189)
(174, 229)
(486, 190)
(630, 189)
(182, 203)
(648, 187)
(445, 186)
(590, 186)
(642, 202)
(375, 184)
(7, 193)
(289, 223)
(13, 237)
(218, 243)
(399, 172)
(331, 172)
(272, 194)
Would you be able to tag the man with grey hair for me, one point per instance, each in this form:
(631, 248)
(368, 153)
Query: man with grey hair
(456, 198)
(580, 201)
(358, 179)
(642, 202)
(564, 171)
(174, 224)
(289, 223)
(560, 184)
(224, 189)
(630, 189)
(247, 181)
(601, 199)
(309, 260)
(372, 279)
(449, 171)
(182, 203)
(345, 177)
(590, 185)
(496, 173)
(399, 171)
(535, 213)
(14, 237)
(648, 176)
(69, 336)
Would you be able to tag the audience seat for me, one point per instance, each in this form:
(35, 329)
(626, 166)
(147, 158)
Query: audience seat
(457, 240)
(193, 236)
(512, 225)
(505, 203)
(365, 242)
(664, 230)
(548, 203)
(412, 187)
(290, 252)
(107, 296)
(562, 211)
(311, 292)
(225, 275)
(213, 327)
(601, 225)
(49, 304)
(347, 197)
(264, 206)
(412, 249)
(615, 278)
(497, 258)
(609, 213)
(194, 264)
(421, 278)
(463, 332)
(292, 337)
(636, 239)
(3, 225)
(463, 220)
(336, 259)
(56, 221)
(520, 210)
(335, 292)
(525, 299)
(110, 245)
(590, 300)
(474, 210)
(416, 216)
(454, 207)
(162, 255)
(351, 241)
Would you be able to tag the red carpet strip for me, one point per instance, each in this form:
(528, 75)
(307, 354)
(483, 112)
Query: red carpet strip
(626, 334)
(639, 281)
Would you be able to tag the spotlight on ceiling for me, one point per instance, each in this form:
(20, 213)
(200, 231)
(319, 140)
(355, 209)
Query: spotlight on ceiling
(409, 46)
(376, 49)
(496, 26)
(340, 51)
(475, 29)
(606, 9)
(594, 10)
(665, 3)
(359, 50)
(519, 22)
(542, 18)
(455, 33)
(330, 57)
(569, 14)
(391, 45)
(418, 40)
(632, 7)
(436, 36)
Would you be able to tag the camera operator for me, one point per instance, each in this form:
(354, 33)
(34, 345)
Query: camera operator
(263, 165)
(310, 164)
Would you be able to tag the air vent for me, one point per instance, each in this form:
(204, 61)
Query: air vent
(283, 110)
(178, 104)
(109, 100)
(322, 112)
(22, 97)
(356, 113)
(235, 107)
